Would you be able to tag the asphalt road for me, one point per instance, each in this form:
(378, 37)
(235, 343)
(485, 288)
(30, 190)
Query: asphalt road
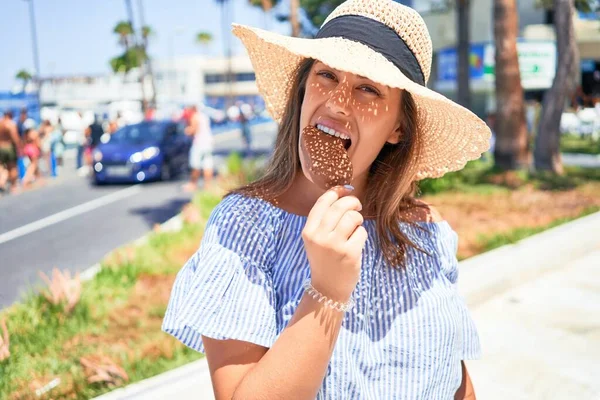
(72, 224)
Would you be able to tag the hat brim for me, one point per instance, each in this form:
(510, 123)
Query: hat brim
(452, 134)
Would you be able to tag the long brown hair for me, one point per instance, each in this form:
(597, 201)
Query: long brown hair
(391, 187)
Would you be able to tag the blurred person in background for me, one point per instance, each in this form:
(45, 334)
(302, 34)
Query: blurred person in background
(81, 142)
(245, 115)
(10, 144)
(112, 127)
(32, 150)
(46, 146)
(57, 144)
(93, 135)
(201, 158)
(23, 123)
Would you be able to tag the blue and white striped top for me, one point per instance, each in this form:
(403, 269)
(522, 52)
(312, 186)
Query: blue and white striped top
(404, 339)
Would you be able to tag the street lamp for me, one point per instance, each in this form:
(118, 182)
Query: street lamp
(36, 56)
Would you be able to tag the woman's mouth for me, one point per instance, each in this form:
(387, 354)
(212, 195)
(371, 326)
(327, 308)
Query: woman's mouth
(330, 131)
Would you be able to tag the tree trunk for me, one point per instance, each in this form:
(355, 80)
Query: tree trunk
(141, 69)
(148, 61)
(294, 6)
(512, 147)
(464, 45)
(547, 143)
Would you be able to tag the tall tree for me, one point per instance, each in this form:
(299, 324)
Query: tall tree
(204, 39)
(125, 32)
(24, 76)
(463, 21)
(547, 143)
(139, 48)
(294, 17)
(512, 148)
(225, 28)
(132, 56)
(147, 32)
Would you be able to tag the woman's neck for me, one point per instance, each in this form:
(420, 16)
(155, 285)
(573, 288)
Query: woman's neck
(303, 194)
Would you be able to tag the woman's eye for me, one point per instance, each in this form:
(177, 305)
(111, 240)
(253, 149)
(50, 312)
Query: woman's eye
(326, 74)
(370, 89)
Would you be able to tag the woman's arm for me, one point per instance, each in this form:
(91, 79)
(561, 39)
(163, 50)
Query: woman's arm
(295, 365)
(466, 390)
(293, 368)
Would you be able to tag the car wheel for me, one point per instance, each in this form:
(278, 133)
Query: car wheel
(165, 172)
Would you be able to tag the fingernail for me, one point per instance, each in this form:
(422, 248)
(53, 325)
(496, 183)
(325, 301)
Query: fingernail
(349, 187)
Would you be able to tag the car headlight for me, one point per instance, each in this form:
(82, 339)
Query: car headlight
(150, 152)
(97, 156)
(145, 154)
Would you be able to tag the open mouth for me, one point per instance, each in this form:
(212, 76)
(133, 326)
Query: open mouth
(332, 132)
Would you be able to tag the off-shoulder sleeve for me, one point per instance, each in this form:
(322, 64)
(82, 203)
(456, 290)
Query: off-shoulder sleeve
(225, 290)
(469, 347)
(445, 245)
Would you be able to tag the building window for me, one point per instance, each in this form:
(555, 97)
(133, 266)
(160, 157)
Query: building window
(239, 77)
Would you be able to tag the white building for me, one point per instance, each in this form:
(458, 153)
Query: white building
(179, 81)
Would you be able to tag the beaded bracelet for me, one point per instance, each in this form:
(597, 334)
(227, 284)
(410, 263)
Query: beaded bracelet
(321, 298)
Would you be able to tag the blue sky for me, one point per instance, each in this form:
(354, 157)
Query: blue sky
(75, 36)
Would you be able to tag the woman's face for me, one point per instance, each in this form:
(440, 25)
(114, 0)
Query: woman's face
(365, 111)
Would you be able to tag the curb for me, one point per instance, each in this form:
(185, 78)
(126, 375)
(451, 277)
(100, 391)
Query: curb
(494, 272)
(191, 381)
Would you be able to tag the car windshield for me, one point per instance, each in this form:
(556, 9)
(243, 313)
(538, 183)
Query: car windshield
(138, 134)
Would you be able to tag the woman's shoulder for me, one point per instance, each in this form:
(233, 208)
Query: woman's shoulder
(242, 214)
(244, 225)
(422, 211)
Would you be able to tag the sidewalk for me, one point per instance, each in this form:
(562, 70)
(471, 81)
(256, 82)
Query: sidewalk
(536, 305)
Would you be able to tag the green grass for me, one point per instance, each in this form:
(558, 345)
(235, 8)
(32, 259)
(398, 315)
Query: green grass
(576, 144)
(40, 331)
(111, 318)
(481, 177)
(490, 242)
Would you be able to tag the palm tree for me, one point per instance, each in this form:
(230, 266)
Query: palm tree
(24, 76)
(147, 31)
(125, 32)
(227, 47)
(294, 21)
(547, 142)
(204, 39)
(512, 148)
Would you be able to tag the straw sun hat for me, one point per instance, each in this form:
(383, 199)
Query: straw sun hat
(388, 43)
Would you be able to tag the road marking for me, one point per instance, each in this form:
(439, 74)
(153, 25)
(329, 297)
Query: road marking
(68, 213)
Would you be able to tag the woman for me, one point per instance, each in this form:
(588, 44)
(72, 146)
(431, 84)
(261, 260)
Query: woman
(32, 150)
(298, 292)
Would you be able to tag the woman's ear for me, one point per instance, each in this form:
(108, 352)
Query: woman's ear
(395, 136)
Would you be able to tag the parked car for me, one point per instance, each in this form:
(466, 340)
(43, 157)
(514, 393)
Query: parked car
(147, 151)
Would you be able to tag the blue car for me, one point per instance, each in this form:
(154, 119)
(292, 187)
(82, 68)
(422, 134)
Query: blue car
(148, 151)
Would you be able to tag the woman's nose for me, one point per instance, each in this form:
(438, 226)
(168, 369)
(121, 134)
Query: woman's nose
(340, 98)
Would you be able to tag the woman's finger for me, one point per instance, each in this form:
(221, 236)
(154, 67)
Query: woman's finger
(357, 240)
(337, 210)
(322, 205)
(348, 224)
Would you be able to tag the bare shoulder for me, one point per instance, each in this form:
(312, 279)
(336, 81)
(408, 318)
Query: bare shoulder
(423, 212)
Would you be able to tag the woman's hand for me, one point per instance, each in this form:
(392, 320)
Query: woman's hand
(334, 239)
